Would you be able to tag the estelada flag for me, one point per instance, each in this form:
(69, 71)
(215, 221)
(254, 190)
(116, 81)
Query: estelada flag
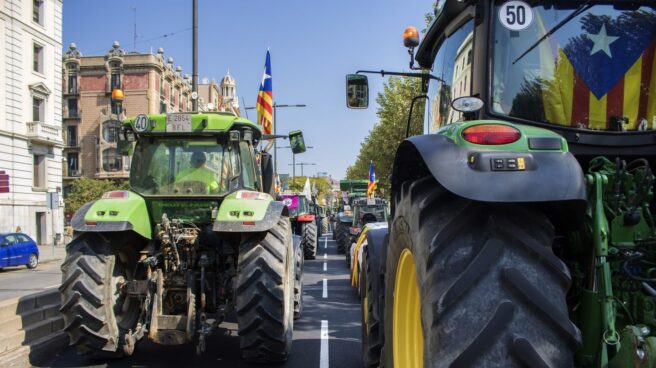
(264, 105)
(608, 71)
(371, 188)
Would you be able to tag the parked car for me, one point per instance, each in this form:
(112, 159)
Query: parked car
(17, 249)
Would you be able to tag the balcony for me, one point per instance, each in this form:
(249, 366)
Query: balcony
(71, 91)
(40, 132)
(74, 173)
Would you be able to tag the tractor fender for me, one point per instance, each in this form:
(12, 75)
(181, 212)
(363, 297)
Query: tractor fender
(111, 215)
(236, 220)
(377, 252)
(467, 172)
(344, 218)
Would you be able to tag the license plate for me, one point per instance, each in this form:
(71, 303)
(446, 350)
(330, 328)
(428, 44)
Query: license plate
(178, 123)
(371, 201)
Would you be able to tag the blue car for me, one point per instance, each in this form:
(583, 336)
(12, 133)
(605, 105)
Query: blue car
(17, 249)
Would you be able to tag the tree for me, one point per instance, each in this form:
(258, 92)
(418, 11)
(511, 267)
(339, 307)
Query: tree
(322, 184)
(84, 190)
(381, 143)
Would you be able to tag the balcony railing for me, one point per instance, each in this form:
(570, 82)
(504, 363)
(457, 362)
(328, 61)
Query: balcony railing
(39, 131)
(74, 173)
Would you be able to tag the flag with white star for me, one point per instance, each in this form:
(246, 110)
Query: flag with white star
(264, 105)
(606, 69)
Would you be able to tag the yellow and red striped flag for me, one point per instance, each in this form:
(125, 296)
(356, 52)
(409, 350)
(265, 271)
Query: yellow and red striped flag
(264, 105)
(371, 188)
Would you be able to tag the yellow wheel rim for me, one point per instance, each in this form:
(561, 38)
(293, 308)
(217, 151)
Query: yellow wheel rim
(408, 337)
(365, 309)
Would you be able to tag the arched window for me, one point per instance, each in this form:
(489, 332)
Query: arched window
(112, 160)
(110, 130)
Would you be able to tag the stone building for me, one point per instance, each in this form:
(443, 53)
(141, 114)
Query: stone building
(147, 83)
(30, 124)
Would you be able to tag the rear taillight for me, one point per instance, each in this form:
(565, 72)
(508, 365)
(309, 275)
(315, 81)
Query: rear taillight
(116, 194)
(491, 134)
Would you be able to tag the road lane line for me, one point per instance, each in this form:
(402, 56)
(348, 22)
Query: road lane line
(324, 294)
(325, 256)
(325, 244)
(323, 357)
(324, 267)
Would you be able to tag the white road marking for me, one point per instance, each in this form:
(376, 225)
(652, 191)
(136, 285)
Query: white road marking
(325, 244)
(324, 267)
(323, 360)
(325, 256)
(324, 294)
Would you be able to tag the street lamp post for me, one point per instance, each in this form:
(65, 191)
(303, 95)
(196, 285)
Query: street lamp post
(275, 128)
(302, 164)
(294, 163)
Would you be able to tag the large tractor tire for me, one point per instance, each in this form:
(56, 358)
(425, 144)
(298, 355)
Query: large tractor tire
(309, 239)
(372, 340)
(342, 238)
(470, 284)
(298, 280)
(265, 295)
(324, 225)
(97, 312)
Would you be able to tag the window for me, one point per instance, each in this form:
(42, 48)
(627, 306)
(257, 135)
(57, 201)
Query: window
(22, 238)
(112, 161)
(71, 131)
(39, 180)
(37, 11)
(38, 109)
(117, 108)
(162, 107)
(38, 59)
(453, 56)
(116, 80)
(110, 130)
(171, 92)
(9, 239)
(247, 165)
(72, 83)
(72, 108)
(73, 164)
(161, 88)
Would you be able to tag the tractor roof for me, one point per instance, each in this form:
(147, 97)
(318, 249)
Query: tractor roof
(191, 123)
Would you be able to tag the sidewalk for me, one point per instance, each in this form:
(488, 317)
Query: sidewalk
(49, 254)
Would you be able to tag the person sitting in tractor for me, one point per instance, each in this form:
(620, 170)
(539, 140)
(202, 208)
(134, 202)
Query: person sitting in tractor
(198, 173)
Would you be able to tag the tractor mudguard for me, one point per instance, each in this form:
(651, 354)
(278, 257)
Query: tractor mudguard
(114, 215)
(248, 215)
(344, 218)
(468, 171)
(377, 251)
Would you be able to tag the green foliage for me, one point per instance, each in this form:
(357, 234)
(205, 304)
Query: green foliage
(84, 190)
(381, 143)
(323, 186)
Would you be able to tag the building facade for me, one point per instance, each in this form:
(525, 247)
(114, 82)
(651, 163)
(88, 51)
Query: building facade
(31, 118)
(148, 84)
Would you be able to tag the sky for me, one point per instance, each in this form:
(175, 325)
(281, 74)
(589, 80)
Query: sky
(313, 45)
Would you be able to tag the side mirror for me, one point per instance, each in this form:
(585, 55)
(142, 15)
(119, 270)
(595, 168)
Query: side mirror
(357, 91)
(296, 141)
(124, 147)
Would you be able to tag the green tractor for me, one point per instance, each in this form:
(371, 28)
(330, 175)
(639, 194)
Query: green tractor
(522, 227)
(303, 223)
(344, 218)
(197, 239)
(365, 211)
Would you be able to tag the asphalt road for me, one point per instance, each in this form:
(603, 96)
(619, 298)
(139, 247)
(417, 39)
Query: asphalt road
(337, 309)
(19, 281)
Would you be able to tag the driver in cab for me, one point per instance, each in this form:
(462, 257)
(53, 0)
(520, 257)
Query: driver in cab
(198, 173)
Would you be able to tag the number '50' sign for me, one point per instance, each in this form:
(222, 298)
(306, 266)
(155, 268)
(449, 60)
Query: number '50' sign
(515, 15)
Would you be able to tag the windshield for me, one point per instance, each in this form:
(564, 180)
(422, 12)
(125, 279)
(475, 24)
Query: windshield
(596, 71)
(365, 215)
(163, 166)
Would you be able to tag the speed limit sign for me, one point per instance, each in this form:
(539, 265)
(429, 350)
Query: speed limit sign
(515, 15)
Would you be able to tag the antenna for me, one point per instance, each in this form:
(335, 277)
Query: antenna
(134, 32)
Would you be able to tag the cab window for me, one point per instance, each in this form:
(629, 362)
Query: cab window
(453, 64)
(247, 165)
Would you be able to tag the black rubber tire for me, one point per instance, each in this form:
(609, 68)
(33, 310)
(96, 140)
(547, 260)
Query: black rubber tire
(334, 229)
(324, 225)
(309, 240)
(32, 262)
(317, 222)
(492, 291)
(342, 238)
(89, 305)
(265, 295)
(371, 334)
(298, 281)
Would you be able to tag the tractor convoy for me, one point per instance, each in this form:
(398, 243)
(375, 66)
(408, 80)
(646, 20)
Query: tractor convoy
(519, 229)
(522, 228)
